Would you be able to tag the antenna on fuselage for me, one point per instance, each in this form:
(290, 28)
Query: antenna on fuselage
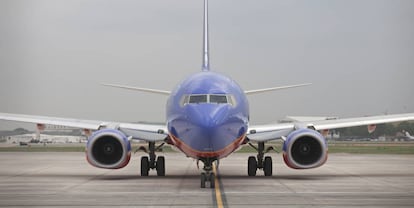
(206, 59)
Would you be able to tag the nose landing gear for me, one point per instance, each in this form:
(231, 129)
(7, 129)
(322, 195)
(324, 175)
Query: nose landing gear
(208, 175)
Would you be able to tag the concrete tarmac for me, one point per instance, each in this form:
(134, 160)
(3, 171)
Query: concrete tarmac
(67, 180)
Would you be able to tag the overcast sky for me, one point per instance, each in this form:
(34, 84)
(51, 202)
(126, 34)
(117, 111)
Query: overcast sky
(359, 55)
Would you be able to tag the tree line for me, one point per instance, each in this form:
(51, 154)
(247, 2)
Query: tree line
(388, 129)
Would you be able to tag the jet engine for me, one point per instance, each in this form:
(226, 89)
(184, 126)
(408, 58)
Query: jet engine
(304, 149)
(108, 148)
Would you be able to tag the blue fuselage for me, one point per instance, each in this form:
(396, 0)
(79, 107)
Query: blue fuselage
(207, 129)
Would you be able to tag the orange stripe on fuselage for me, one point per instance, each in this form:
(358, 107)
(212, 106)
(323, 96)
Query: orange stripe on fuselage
(200, 154)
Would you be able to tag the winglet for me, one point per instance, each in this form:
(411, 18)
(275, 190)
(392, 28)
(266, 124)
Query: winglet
(206, 59)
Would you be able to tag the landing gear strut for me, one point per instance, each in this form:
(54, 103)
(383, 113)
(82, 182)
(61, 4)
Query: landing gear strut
(264, 163)
(153, 162)
(207, 175)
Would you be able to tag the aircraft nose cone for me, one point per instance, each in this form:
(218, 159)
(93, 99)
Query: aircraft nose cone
(208, 127)
(208, 117)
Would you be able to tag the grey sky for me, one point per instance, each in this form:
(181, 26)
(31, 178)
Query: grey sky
(54, 54)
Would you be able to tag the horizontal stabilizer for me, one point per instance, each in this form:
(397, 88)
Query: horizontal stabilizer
(163, 92)
(249, 92)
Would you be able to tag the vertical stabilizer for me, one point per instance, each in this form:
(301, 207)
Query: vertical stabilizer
(206, 58)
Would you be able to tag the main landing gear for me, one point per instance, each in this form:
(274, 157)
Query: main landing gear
(152, 162)
(260, 162)
(208, 174)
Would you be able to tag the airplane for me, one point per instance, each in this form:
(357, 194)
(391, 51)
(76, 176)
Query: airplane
(408, 135)
(207, 118)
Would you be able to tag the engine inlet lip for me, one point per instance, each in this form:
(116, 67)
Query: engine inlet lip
(316, 136)
(106, 133)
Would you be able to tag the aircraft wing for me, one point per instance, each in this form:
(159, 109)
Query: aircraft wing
(147, 132)
(262, 133)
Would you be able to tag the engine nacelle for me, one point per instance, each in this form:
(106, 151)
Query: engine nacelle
(304, 149)
(108, 148)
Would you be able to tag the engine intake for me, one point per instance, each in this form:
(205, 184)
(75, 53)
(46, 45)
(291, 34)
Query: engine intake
(304, 149)
(108, 148)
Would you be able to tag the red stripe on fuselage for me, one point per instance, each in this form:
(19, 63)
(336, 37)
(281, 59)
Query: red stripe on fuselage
(200, 154)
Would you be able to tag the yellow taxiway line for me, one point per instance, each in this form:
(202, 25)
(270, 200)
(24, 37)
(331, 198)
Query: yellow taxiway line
(217, 188)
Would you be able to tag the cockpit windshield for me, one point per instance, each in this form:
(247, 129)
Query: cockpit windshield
(208, 98)
(218, 99)
(197, 99)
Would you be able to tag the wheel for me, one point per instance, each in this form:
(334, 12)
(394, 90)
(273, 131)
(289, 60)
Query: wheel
(160, 166)
(144, 166)
(252, 166)
(268, 166)
(212, 180)
(203, 180)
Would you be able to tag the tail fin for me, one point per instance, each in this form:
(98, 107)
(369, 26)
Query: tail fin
(206, 59)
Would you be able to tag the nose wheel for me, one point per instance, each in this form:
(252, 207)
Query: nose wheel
(207, 176)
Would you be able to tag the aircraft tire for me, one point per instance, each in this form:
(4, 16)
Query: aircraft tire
(268, 166)
(160, 166)
(212, 180)
(144, 166)
(252, 166)
(203, 180)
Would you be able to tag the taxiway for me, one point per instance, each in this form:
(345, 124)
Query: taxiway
(67, 180)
